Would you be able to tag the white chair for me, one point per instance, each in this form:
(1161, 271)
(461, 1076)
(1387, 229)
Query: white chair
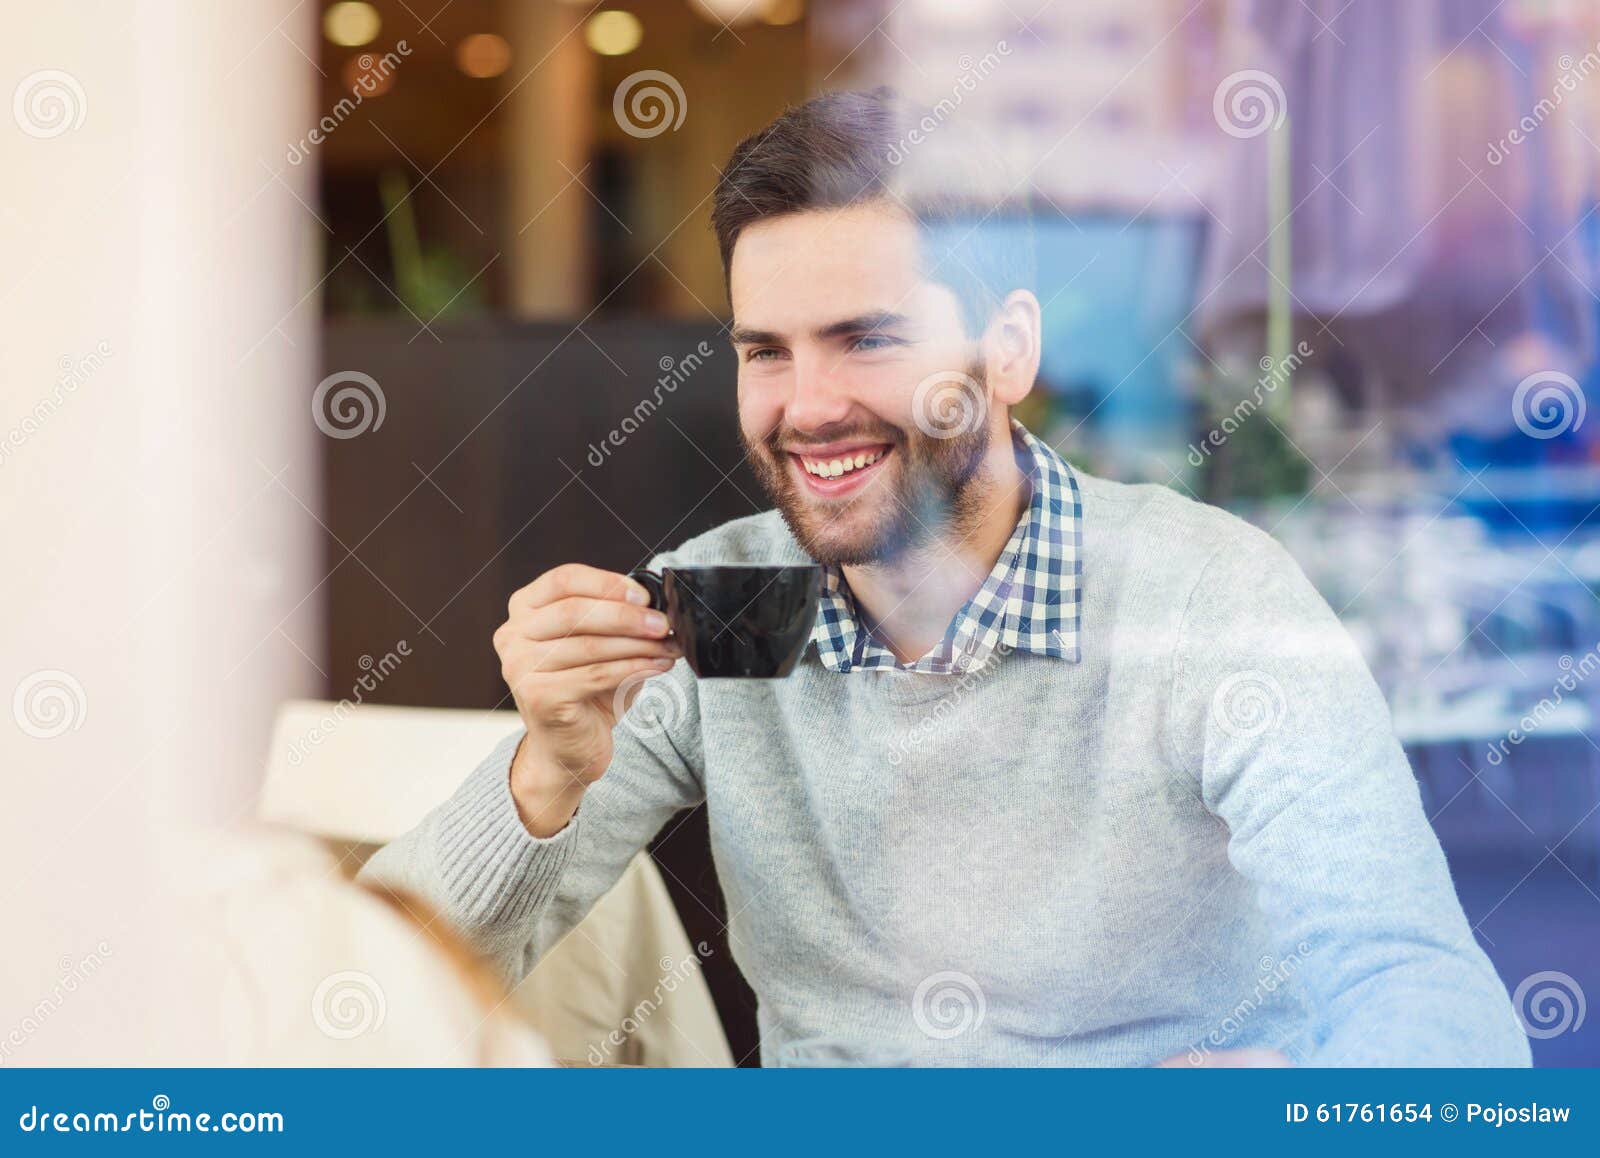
(358, 776)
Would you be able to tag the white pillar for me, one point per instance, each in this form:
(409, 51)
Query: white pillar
(159, 350)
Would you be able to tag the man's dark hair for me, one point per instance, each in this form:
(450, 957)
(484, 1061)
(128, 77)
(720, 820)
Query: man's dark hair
(846, 148)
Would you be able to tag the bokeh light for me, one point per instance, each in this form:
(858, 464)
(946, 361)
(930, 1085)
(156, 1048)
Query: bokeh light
(483, 55)
(367, 74)
(782, 12)
(351, 23)
(613, 33)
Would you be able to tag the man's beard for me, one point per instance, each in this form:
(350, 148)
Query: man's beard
(932, 488)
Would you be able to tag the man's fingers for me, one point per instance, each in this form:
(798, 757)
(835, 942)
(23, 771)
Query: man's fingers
(536, 685)
(607, 677)
(579, 615)
(577, 579)
(582, 650)
(583, 683)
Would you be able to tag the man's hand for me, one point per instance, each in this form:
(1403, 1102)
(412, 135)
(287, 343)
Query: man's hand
(570, 639)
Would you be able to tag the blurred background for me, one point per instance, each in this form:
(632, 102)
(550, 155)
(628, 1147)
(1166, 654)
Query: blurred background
(1328, 263)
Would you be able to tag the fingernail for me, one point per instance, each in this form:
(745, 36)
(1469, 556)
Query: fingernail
(665, 664)
(655, 621)
(637, 595)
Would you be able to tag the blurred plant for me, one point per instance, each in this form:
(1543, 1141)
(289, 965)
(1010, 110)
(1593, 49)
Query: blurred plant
(1256, 460)
(1060, 423)
(431, 283)
(1034, 411)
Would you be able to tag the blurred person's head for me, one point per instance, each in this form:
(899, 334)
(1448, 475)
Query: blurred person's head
(309, 967)
(883, 324)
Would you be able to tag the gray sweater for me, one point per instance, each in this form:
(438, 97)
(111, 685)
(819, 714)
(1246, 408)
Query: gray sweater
(1202, 836)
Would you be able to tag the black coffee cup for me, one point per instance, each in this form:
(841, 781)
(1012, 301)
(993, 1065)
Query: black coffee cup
(737, 622)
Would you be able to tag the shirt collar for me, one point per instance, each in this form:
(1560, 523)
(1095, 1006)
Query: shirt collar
(1029, 602)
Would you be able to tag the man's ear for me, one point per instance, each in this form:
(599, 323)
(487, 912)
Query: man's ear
(1011, 345)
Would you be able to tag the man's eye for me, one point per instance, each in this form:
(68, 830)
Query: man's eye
(869, 342)
(762, 354)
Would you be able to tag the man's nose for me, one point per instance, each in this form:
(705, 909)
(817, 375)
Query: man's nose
(820, 397)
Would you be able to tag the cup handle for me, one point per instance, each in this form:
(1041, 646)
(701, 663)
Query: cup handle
(652, 582)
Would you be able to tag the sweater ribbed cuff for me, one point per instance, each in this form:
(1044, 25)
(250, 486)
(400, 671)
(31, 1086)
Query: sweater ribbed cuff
(496, 870)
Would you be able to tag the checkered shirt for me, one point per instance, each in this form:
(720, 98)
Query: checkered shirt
(1029, 602)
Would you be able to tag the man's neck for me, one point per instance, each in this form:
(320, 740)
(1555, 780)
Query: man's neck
(910, 602)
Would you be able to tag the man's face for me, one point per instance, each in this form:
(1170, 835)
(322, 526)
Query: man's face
(836, 326)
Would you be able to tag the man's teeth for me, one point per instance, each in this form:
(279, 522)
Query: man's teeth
(834, 467)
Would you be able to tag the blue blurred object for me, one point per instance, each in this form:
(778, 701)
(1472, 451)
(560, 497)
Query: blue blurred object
(1536, 480)
(1116, 296)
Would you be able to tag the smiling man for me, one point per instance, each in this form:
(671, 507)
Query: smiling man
(1073, 772)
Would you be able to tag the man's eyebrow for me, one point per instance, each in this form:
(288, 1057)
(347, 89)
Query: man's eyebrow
(742, 336)
(874, 321)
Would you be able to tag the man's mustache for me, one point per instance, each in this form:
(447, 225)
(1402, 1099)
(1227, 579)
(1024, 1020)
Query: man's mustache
(782, 440)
